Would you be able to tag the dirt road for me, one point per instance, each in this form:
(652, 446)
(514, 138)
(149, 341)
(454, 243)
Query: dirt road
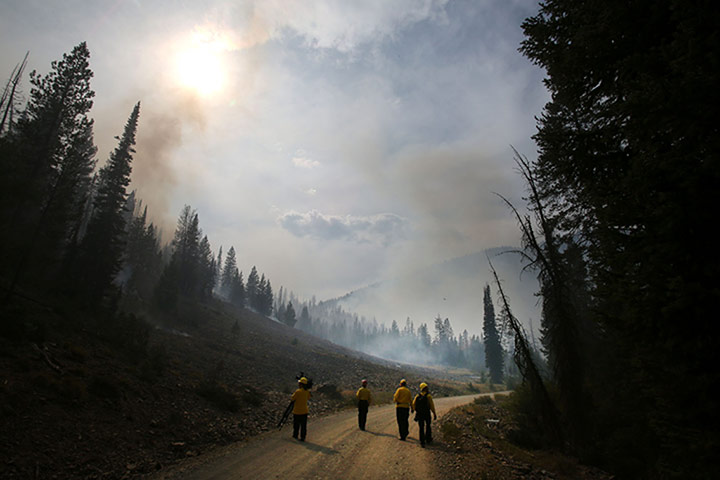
(334, 448)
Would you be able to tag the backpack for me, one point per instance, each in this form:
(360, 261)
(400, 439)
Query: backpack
(422, 406)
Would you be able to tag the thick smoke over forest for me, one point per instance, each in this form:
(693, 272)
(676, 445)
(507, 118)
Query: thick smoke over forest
(433, 316)
(427, 343)
(451, 289)
(165, 124)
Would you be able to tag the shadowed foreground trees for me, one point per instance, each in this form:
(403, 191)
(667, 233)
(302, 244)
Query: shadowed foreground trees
(47, 159)
(627, 178)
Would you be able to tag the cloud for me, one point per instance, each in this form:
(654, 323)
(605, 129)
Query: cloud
(323, 24)
(303, 162)
(383, 228)
(343, 26)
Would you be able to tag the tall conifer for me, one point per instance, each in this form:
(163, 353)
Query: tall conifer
(493, 347)
(46, 163)
(103, 246)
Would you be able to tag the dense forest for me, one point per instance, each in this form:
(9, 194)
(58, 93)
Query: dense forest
(620, 201)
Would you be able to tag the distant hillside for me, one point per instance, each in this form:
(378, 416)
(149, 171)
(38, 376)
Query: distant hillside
(452, 289)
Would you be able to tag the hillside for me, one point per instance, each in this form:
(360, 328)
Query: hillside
(88, 398)
(451, 289)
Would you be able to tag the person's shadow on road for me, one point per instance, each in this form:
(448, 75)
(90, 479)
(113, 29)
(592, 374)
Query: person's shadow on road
(317, 448)
(379, 434)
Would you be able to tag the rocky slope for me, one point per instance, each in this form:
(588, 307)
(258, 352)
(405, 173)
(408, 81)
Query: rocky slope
(84, 400)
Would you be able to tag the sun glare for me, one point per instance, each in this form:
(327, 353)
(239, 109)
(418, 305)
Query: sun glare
(200, 66)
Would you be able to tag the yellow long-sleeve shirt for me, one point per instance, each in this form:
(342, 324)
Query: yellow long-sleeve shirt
(364, 394)
(402, 397)
(300, 397)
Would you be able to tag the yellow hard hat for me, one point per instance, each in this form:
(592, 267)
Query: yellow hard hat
(423, 385)
(303, 380)
(403, 382)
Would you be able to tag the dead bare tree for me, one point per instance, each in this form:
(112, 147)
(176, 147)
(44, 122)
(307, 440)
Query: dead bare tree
(547, 414)
(7, 100)
(560, 322)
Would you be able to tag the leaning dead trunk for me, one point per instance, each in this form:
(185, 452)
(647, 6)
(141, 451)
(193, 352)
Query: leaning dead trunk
(547, 413)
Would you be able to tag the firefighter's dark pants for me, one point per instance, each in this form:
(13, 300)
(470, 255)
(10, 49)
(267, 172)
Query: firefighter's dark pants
(403, 414)
(300, 423)
(362, 413)
(425, 430)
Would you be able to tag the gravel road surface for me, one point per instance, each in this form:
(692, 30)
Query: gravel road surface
(334, 448)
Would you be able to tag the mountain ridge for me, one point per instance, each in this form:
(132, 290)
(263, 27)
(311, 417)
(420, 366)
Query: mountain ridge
(451, 289)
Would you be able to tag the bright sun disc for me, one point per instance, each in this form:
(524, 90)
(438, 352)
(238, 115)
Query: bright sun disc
(200, 69)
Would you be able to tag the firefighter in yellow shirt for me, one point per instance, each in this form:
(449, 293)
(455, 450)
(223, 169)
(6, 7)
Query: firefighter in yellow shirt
(364, 399)
(300, 409)
(402, 399)
(423, 404)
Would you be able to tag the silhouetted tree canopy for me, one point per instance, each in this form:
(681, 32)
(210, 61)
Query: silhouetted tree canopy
(628, 174)
(46, 162)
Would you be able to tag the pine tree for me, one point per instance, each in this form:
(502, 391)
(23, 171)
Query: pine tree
(279, 303)
(251, 288)
(135, 233)
(142, 255)
(237, 293)
(305, 322)
(102, 247)
(394, 330)
(409, 329)
(146, 277)
(206, 270)
(280, 313)
(494, 355)
(190, 270)
(46, 163)
(424, 335)
(267, 299)
(439, 331)
(57, 110)
(259, 301)
(229, 274)
(448, 330)
(290, 315)
(187, 252)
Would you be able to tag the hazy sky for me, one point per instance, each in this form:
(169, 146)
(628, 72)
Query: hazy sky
(332, 143)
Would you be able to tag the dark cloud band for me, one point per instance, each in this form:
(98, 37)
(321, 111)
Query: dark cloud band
(383, 228)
